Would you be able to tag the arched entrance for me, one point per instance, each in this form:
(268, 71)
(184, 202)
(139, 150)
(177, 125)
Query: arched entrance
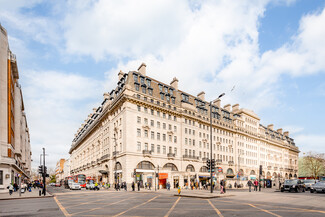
(230, 173)
(190, 168)
(118, 172)
(290, 176)
(145, 174)
(162, 177)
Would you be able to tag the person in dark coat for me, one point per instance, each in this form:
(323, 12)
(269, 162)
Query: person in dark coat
(249, 183)
(133, 186)
(138, 186)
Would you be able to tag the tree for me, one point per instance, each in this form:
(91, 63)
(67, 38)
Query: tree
(52, 178)
(313, 164)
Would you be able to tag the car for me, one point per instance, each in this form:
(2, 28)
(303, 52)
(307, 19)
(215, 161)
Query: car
(294, 185)
(75, 186)
(309, 183)
(318, 187)
(90, 186)
(57, 185)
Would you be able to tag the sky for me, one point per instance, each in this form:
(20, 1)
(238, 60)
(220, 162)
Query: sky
(268, 56)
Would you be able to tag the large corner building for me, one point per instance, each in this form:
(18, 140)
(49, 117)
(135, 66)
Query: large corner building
(145, 126)
(15, 150)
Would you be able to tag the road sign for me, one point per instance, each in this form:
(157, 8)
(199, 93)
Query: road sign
(219, 169)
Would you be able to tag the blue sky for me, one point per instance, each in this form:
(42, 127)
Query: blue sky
(69, 54)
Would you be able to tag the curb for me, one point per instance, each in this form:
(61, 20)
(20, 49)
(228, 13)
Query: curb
(32, 197)
(203, 197)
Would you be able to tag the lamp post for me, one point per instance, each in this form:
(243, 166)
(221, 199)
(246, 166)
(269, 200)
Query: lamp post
(221, 95)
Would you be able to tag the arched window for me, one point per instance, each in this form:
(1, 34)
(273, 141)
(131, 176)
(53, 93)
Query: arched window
(190, 168)
(252, 172)
(170, 166)
(230, 171)
(290, 176)
(118, 166)
(145, 165)
(204, 169)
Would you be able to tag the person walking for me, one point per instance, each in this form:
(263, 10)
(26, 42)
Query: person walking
(221, 187)
(255, 185)
(249, 183)
(179, 189)
(11, 188)
(138, 186)
(149, 184)
(133, 186)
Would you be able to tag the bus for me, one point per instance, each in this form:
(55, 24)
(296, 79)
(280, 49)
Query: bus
(68, 181)
(81, 179)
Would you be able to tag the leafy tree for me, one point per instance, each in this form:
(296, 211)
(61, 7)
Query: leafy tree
(52, 178)
(313, 164)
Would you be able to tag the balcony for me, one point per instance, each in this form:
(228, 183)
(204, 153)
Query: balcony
(230, 163)
(190, 157)
(219, 161)
(105, 157)
(275, 168)
(269, 167)
(146, 153)
(171, 155)
(204, 159)
(115, 153)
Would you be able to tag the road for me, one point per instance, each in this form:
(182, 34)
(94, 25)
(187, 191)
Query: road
(112, 203)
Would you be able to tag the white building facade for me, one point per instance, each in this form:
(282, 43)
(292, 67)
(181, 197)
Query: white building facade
(15, 149)
(145, 127)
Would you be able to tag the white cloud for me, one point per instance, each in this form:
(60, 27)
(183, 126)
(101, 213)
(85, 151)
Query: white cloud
(310, 143)
(56, 104)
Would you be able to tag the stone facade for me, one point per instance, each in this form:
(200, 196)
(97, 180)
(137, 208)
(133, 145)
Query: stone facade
(59, 171)
(145, 127)
(15, 150)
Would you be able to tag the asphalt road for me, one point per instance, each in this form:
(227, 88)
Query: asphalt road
(112, 203)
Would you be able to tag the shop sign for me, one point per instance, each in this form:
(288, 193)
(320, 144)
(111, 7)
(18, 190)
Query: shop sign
(163, 175)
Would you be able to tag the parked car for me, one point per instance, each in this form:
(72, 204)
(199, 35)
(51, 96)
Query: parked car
(309, 183)
(294, 185)
(90, 186)
(75, 186)
(57, 185)
(318, 187)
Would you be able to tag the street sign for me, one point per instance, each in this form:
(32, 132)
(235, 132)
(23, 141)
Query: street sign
(219, 169)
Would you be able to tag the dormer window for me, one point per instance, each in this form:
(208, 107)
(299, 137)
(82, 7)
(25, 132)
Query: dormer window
(160, 88)
(185, 97)
(142, 80)
(148, 83)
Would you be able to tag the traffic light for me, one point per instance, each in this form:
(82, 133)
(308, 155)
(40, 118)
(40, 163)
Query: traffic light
(45, 169)
(213, 164)
(208, 164)
(40, 169)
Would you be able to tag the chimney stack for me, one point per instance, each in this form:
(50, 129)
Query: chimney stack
(235, 107)
(286, 133)
(217, 103)
(120, 75)
(174, 83)
(270, 126)
(106, 95)
(142, 69)
(227, 107)
(279, 130)
(201, 96)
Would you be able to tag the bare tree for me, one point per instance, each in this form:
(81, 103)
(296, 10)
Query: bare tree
(313, 163)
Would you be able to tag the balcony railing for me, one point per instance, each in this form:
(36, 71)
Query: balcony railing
(190, 157)
(104, 157)
(218, 161)
(115, 153)
(146, 152)
(171, 155)
(230, 162)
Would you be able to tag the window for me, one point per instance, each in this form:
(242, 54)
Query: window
(152, 123)
(175, 139)
(139, 120)
(185, 152)
(146, 121)
(169, 127)
(175, 129)
(200, 154)
(146, 146)
(150, 92)
(144, 90)
(152, 148)
(152, 112)
(152, 135)
(158, 136)
(162, 96)
(170, 149)
(193, 142)
(171, 92)
(185, 141)
(170, 138)
(139, 132)
(175, 117)
(194, 153)
(1, 177)
(164, 149)
(185, 98)
(146, 133)
(160, 87)
(149, 83)
(142, 80)
(175, 151)
(139, 108)
(164, 126)
(164, 115)
(158, 149)
(139, 146)
(164, 137)
(158, 124)
(145, 110)
(136, 87)
(135, 77)
(185, 130)
(190, 141)
(158, 113)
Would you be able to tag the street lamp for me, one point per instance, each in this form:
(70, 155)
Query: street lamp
(221, 95)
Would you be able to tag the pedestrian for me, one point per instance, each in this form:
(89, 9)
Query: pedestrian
(138, 186)
(235, 185)
(11, 188)
(125, 186)
(255, 185)
(221, 187)
(179, 190)
(133, 186)
(224, 185)
(149, 185)
(249, 183)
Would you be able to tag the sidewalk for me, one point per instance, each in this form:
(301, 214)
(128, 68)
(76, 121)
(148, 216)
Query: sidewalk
(26, 195)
